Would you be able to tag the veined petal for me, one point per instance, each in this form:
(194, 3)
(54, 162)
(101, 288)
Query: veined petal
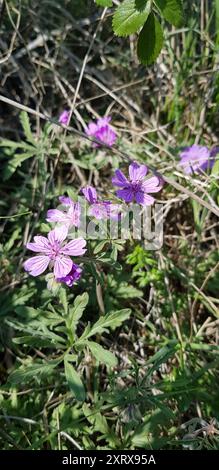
(137, 172)
(126, 194)
(120, 179)
(90, 194)
(36, 265)
(74, 247)
(59, 234)
(40, 245)
(67, 201)
(55, 215)
(144, 199)
(62, 266)
(74, 214)
(152, 185)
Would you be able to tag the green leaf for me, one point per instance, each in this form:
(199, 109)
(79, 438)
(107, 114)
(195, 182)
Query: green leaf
(172, 11)
(130, 16)
(25, 122)
(38, 330)
(150, 41)
(104, 3)
(111, 320)
(102, 355)
(15, 162)
(74, 381)
(26, 373)
(63, 299)
(76, 312)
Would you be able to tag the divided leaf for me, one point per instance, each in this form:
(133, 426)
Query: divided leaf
(102, 355)
(76, 312)
(111, 320)
(26, 373)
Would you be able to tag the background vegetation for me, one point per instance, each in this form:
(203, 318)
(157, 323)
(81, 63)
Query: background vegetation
(147, 374)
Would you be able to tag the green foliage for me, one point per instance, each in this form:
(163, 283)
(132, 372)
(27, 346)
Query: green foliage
(74, 381)
(150, 40)
(172, 11)
(130, 16)
(104, 3)
(18, 152)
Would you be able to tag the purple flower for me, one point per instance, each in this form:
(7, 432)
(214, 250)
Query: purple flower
(102, 131)
(54, 252)
(69, 217)
(100, 209)
(197, 158)
(213, 153)
(64, 117)
(71, 277)
(136, 188)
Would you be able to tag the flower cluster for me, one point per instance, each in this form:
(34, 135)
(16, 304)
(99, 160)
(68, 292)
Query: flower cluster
(56, 251)
(197, 158)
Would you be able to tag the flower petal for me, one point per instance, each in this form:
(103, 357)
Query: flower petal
(91, 129)
(119, 179)
(152, 185)
(36, 265)
(72, 277)
(67, 201)
(106, 135)
(74, 247)
(101, 122)
(126, 194)
(59, 234)
(54, 215)
(40, 245)
(74, 213)
(137, 172)
(63, 118)
(62, 266)
(144, 199)
(90, 194)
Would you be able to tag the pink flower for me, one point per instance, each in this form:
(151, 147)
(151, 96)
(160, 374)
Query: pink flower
(69, 217)
(54, 252)
(197, 158)
(136, 188)
(101, 131)
(71, 277)
(64, 117)
(100, 209)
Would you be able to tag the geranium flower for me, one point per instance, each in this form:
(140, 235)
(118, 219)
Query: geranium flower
(136, 188)
(100, 209)
(197, 158)
(69, 217)
(64, 117)
(54, 252)
(101, 131)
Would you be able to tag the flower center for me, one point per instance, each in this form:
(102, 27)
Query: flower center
(54, 250)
